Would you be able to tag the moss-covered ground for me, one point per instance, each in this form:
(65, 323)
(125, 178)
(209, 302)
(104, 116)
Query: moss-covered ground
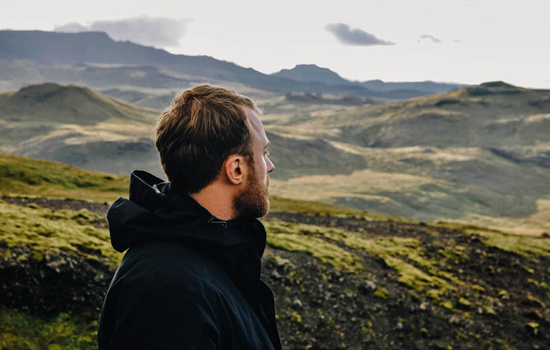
(342, 280)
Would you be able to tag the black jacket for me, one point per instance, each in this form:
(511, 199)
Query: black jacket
(188, 280)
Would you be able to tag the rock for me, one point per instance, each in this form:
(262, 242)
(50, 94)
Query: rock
(367, 287)
(399, 325)
(297, 302)
(275, 275)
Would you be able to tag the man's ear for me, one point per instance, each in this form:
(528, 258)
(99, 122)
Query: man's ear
(234, 168)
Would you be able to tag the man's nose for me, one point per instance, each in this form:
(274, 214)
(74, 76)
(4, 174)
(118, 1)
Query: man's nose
(270, 166)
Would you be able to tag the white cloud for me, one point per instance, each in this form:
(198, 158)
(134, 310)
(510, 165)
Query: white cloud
(151, 31)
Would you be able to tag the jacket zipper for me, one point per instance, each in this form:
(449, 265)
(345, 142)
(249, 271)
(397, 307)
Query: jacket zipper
(214, 220)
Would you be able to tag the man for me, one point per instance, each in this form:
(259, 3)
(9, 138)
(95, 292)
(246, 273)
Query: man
(191, 276)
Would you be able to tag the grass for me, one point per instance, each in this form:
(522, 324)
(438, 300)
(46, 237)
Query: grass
(530, 247)
(21, 330)
(23, 176)
(45, 230)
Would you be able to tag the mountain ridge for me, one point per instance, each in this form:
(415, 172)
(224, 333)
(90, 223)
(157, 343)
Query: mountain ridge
(49, 48)
(315, 74)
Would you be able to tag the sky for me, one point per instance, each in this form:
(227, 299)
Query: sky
(393, 40)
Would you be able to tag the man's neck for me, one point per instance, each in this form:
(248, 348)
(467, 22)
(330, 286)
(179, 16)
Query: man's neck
(217, 200)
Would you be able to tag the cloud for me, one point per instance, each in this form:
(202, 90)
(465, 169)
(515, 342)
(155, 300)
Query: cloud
(351, 36)
(427, 38)
(153, 31)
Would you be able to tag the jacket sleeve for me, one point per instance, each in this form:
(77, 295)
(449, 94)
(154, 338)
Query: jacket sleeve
(165, 314)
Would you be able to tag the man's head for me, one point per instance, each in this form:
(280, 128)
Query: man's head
(212, 136)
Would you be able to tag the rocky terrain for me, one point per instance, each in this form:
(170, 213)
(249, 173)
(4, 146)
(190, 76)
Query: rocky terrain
(340, 281)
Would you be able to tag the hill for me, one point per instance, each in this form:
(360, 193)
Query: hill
(75, 125)
(342, 278)
(54, 103)
(478, 154)
(106, 134)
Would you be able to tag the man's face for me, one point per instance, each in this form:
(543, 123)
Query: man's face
(253, 199)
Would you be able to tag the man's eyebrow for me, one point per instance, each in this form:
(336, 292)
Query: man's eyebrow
(268, 144)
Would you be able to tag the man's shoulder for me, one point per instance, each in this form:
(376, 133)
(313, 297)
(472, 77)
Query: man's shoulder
(163, 260)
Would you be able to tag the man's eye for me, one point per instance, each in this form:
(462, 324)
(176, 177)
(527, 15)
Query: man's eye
(266, 153)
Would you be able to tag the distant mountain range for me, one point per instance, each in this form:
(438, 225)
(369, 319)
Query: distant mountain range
(314, 74)
(94, 59)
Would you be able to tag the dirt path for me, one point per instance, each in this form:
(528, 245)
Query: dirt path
(57, 204)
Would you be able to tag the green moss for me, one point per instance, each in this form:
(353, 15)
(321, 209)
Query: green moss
(532, 327)
(296, 318)
(502, 293)
(21, 330)
(45, 231)
(435, 294)
(447, 305)
(416, 278)
(478, 288)
(318, 248)
(464, 303)
(396, 252)
(527, 246)
(424, 332)
(382, 292)
(535, 302)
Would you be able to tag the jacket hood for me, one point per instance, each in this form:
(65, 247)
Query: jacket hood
(157, 210)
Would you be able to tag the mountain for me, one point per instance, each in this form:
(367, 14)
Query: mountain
(99, 48)
(398, 90)
(341, 278)
(94, 59)
(312, 73)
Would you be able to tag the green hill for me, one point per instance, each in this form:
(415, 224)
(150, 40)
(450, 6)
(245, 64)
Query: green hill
(480, 154)
(54, 103)
(342, 278)
(77, 126)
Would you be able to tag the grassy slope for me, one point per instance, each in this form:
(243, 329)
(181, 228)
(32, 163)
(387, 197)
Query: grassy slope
(455, 272)
(40, 178)
(54, 103)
